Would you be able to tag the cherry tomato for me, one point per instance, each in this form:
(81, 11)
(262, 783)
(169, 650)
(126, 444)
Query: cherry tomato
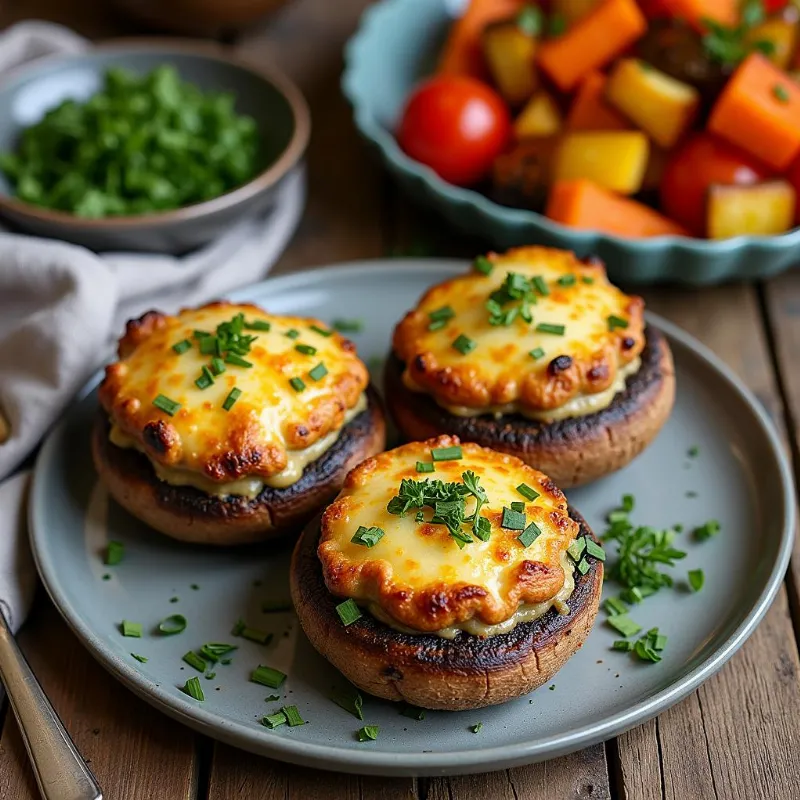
(699, 162)
(774, 6)
(457, 126)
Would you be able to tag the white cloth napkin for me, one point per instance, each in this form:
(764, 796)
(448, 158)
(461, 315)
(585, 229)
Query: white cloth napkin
(62, 307)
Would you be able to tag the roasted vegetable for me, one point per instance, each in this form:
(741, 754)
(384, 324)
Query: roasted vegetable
(590, 111)
(660, 105)
(696, 12)
(509, 48)
(573, 10)
(761, 210)
(583, 204)
(521, 177)
(759, 110)
(613, 159)
(607, 31)
(782, 37)
(540, 117)
(654, 171)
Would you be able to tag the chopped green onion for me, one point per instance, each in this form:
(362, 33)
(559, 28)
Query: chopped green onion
(476, 728)
(140, 659)
(536, 353)
(624, 624)
(200, 334)
(369, 733)
(209, 676)
(627, 502)
(106, 577)
(588, 279)
(619, 515)
(614, 606)
(274, 720)
(209, 345)
(217, 366)
(453, 453)
(546, 327)
(615, 322)
(166, 405)
(232, 397)
(318, 373)
(437, 325)
(513, 520)
(576, 549)
(595, 550)
(482, 528)
(413, 712)
(518, 505)
(193, 688)
(696, 579)
(348, 325)
(194, 660)
(253, 634)
(306, 349)
(352, 703)
(623, 644)
(529, 535)
(540, 285)
(175, 623)
(132, 629)
(322, 331)
(213, 651)
(297, 384)
(237, 361)
(368, 537)
(464, 344)
(115, 551)
(292, 716)
(566, 280)
(267, 676)
(205, 380)
(425, 466)
(660, 641)
(583, 566)
(707, 530)
(182, 346)
(443, 313)
(258, 325)
(348, 612)
(483, 265)
(527, 492)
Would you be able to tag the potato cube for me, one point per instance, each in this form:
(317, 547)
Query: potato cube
(761, 209)
(510, 54)
(540, 117)
(657, 103)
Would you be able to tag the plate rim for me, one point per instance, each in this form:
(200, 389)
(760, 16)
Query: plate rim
(455, 761)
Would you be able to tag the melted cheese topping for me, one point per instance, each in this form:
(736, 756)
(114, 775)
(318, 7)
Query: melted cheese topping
(499, 375)
(416, 578)
(270, 433)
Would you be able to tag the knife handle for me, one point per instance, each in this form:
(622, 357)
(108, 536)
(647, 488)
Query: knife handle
(60, 771)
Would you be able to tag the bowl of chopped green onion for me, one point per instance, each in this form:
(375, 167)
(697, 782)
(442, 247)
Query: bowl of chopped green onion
(152, 145)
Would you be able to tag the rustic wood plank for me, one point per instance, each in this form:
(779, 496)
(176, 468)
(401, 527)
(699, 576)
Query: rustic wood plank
(135, 752)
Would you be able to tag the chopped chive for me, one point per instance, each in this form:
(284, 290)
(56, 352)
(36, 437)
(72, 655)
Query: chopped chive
(205, 380)
(518, 505)
(272, 698)
(352, 703)
(645, 651)
(513, 520)
(627, 502)
(412, 712)
(615, 322)
(624, 624)
(193, 688)
(437, 325)
(482, 528)
(540, 285)
(348, 612)
(297, 384)
(175, 623)
(200, 334)
(620, 515)
(780, 94)
(595, 550)
(476, 728)
(483, 265)
(292, 716)
(546, 327)
(707, 530)
(209, 345)
(213, 651)
(132, 629)
(306, 349)
(576, 549)
(166, 405)
(445, 313)
(623, 644)
(583, 566)
(253, 634)
(369, 733)
(318, 373)
(321, 331)
(696, 579)
(527, 492)
(567, 280)
(588, 279)
(368, 537)
(529, 535)
(659, 641)
(273, 721)
(258, 325)
(140, 659)
(426, 466)
(464, 344)
(348, 325)
(225, 661)
(453, 453)
(614, 606)
(209, 676)
(237, 361)
(267, 676)
(182, 346)
(115, 551)
(231, 399)
(536, 353)
(217, 366)
(194, 660)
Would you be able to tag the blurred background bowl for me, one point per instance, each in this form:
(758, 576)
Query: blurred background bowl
(274, 102)
(397, 44)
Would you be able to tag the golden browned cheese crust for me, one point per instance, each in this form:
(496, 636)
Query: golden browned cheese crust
(269, 419)
(603, 332)
(416, 573)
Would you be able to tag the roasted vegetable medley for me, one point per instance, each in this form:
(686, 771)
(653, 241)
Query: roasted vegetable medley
(631, 117)
(141, 144)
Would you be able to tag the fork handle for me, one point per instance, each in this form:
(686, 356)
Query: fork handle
(60, 771)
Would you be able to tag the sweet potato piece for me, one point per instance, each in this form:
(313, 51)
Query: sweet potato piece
(510, 54)
(613, 159)
(660, 105)
(540, 117)
(762, 209)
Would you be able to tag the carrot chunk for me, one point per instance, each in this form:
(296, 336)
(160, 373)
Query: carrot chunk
(726, 12)
(583, 204)
(759, 110)
(589, 110)
(592, 42)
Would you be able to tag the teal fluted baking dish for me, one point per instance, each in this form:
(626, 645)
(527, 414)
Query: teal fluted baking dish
(396, 45)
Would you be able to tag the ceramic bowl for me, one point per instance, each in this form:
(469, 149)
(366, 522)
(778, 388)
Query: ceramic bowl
(270, 98)
(395, 46)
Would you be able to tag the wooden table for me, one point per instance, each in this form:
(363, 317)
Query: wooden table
(737, 737)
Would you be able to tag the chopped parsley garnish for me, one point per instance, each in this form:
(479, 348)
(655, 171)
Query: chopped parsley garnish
(173, 624)
(297, 384)
(464, 344)
(453, 453)
(368, 537)
(194, 660)
(426, 466)
(527, 492)
(163, 403)
(267, 676)
(115, 552)
(615, 322)
(352, 702)
(513, 520)
(546, 327)
(231, 399)
(529, 535)
(181, 347)
(193, 688)
(132, 629)
(348, 612)
(306, 349)
(483, 265)
(536, 353)
(348, 325)
(318, 372)
(369, 733)
(696, 579)
(707, 530)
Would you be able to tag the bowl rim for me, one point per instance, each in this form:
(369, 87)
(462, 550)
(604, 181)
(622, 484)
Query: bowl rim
(286, 161)
(372, 129)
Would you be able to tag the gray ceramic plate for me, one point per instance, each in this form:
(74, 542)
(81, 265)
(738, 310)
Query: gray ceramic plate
(740, 477)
